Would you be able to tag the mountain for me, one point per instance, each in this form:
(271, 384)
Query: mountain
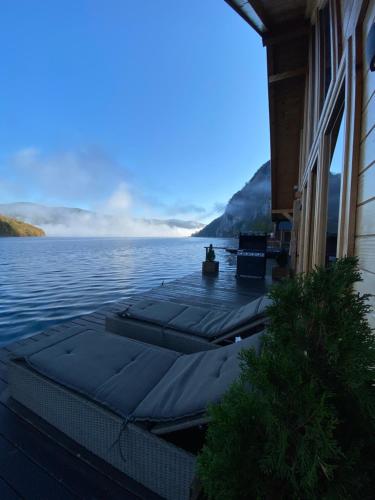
(66, 221)
(248, 210)
(14, 227)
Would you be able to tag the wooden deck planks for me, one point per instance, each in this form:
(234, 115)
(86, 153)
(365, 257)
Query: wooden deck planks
(27, 478)
(7, 492)
(61, 465)
(43, 463)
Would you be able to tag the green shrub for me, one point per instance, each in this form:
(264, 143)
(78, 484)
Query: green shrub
(306, 428)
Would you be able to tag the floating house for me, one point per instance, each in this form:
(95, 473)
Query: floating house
(322, 116)
(87, 412)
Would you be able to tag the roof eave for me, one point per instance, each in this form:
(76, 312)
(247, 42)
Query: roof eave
(253, 18)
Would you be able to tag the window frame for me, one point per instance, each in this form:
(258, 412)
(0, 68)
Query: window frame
(338, 113)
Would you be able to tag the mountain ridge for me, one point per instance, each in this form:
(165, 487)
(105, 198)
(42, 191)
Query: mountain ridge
(14, 227)
(249, 209)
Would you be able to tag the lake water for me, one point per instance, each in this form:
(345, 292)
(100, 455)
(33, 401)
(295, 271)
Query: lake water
(44, 281)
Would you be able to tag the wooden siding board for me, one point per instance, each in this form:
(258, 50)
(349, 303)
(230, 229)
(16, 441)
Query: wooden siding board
(368, 86)
(365, 250)
(366, 185)
(367, 153)
(365, 224)
(368, 118)
(365, 217)
(368, 286)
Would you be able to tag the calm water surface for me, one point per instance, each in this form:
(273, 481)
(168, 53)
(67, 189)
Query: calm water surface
(44, 281)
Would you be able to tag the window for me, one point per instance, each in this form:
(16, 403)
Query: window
(311, 224)
(312, 77)
(301, 232)
(306, 244)
(336, 149)
(338, 31)
(325, 52)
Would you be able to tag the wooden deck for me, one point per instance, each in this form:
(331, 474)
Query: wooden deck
(38, 462)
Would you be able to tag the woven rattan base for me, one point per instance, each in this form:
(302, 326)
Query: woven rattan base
(150, 460)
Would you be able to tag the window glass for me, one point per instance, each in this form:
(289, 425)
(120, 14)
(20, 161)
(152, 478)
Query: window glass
(301, 232)
(338, 32)
(325, 52)
(334, 187)
(311, 228)
(312, 88)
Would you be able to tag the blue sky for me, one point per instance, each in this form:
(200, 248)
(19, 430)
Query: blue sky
(155, 107)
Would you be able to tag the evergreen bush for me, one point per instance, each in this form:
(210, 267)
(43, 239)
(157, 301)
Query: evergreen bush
(299, 422)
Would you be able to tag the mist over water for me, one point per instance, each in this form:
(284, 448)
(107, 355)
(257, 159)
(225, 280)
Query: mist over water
(75, 222)
(44, 281)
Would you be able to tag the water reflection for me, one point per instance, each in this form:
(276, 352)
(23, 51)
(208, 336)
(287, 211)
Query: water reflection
(44, 281)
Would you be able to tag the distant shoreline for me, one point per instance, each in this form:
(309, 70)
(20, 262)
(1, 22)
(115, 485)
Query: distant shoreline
(14, 228)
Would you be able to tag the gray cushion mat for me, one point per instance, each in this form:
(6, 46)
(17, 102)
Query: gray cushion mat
(139, 381)
(193, 381)
(195, 320)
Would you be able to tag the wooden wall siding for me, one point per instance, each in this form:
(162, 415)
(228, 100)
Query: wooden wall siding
(366, 185)
(368, 86)
(365, 225)
(365, 219)
(368, 286)
(367, 154)
(365, 249)
(348, 20)
(368, 117)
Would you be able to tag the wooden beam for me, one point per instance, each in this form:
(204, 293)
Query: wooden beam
(286, 65)
(285, 32)
(288, 216)
(287, 74)
(286, 213)
(261, 12)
